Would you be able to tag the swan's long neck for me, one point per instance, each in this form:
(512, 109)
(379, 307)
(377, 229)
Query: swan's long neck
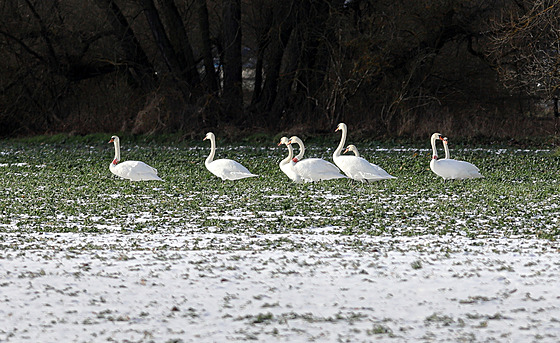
(341, 144)
(446, 148)
(210, 157)
(434, 149)
(299, 156)
(117, 152)
(356, 153)
(290, 155)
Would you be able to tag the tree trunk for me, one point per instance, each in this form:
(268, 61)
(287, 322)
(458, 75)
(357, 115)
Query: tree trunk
(166, 49)
(263, 41)
(285, 103)
(180, 42)
(274, 64)
(211, 78)
(141, 71)
(232, 93)
(257, 88)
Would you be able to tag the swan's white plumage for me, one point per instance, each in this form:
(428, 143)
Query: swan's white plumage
(135, 171)
(356, 167)
(313, 169)
(225, 169)
(451, 169)
(316, 169)
(131, 170)
(361, 169)
(229, 170)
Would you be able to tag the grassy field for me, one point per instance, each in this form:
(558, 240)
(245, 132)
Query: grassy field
(87, 256)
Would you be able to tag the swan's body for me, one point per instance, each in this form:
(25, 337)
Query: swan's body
(451, 169)
(357, 167)
(312, 169)
(224, 168)
(131, 170)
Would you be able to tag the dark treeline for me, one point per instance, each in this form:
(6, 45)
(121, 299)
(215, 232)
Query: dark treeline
(390, 68)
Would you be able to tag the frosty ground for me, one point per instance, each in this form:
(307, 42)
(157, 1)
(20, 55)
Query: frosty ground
(85, 257)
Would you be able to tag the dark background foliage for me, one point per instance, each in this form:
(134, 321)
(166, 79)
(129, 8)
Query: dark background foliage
(389, 69)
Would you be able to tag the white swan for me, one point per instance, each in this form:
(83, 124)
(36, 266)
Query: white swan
(450, 169)
(446, 148)
(357, 167)
(287, 164)
(313, 169)
(131, 170)
(224, 168)
(352, 148)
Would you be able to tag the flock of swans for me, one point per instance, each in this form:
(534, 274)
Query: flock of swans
(300, 169)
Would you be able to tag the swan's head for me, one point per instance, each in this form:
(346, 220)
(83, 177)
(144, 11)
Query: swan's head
(444, 139)
(284, 140)
(114, 139)
(437, 136)
(209, 135)
(340, 126)
(295, 139)
(351, 148)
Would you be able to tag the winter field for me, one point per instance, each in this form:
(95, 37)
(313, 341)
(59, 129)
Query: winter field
(88, 257)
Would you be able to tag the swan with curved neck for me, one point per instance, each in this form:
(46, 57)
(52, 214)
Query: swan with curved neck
(450, 169)
(224, 168)
(446, 148)
(287, 164)
(313, 169)
(131, 170)
(352, 148)
(299, 142)
(356, 167)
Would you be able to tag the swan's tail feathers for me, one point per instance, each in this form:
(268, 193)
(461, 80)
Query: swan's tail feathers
(150, 176)
(381, 173)
(147, 178)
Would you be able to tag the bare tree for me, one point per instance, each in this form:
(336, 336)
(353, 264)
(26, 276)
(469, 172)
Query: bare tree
(316, 62)
(232, 96)
(135, 60)
(210, 76)
(180, 42)
(526, 48)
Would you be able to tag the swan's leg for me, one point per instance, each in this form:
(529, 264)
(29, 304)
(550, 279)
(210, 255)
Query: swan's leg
(353, 184)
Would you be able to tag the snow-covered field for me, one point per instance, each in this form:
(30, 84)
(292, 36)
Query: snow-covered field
(396, 289)
(85, 257)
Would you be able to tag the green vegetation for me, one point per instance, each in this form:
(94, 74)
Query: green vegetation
(59, 188)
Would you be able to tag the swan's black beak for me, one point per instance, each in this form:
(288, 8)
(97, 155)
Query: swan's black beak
(345, 151)
(205, 138)
(112, 140)
(279, 143)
